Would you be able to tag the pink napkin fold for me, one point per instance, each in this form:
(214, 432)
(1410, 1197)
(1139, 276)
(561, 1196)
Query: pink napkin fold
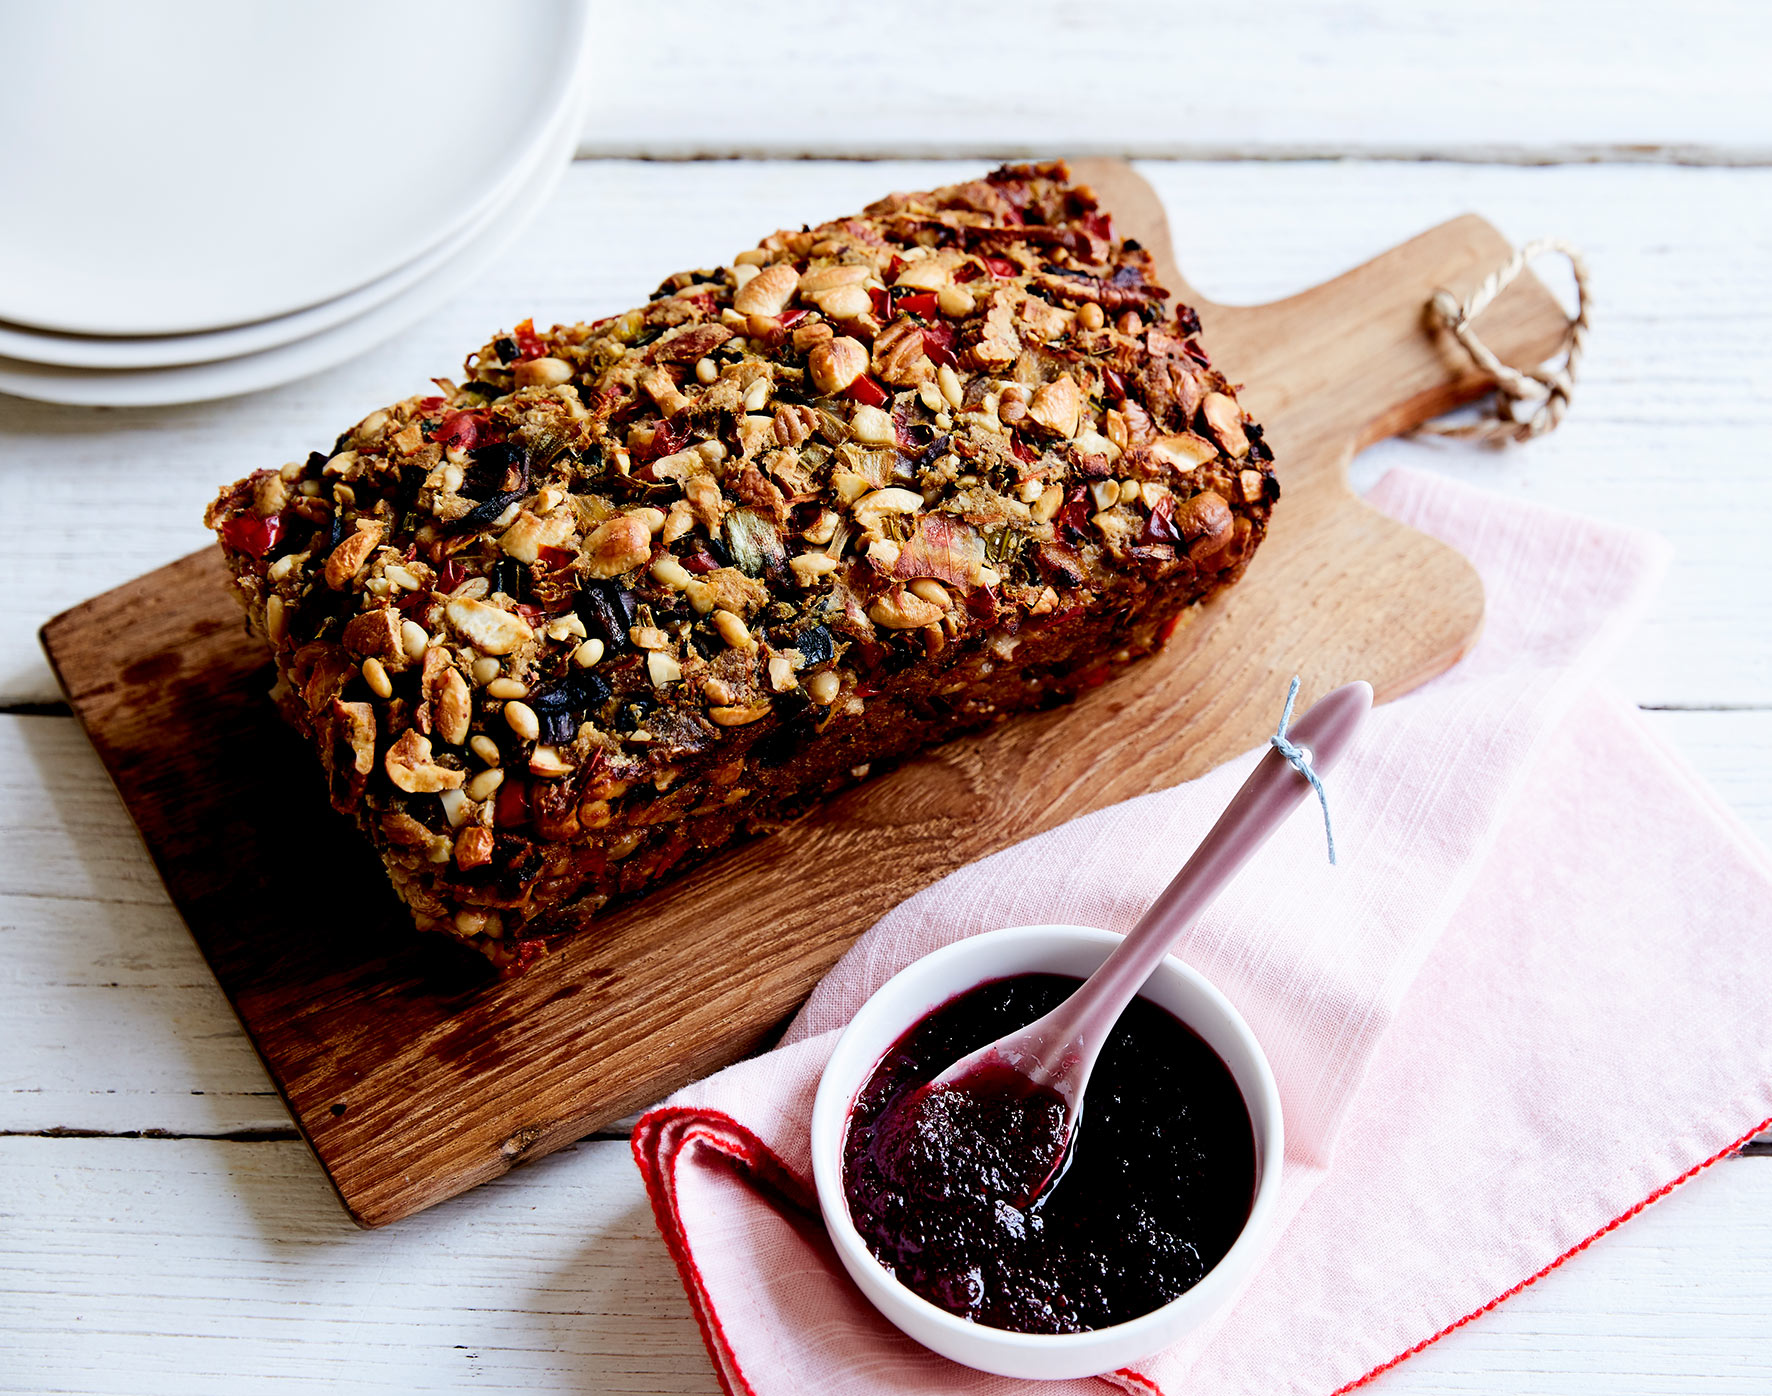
(1528, 1001)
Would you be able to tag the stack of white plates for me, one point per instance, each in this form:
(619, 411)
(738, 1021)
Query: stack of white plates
(204, 197)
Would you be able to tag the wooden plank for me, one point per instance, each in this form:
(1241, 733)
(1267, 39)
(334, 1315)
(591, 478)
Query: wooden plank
(1430, 80)
(185, 1266)
(413, 1083)
(89, 498)
(196, 1267)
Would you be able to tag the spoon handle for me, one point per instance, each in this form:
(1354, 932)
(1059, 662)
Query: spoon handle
(1271, 792)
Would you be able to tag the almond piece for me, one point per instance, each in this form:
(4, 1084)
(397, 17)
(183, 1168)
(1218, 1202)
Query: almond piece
(836, 365)
(768, 292)
(1226, 420)
(815, 281)
(899, 609)
(619, 545)
(1057, 406)
(352, 553)
(409, 766)
(486, 628)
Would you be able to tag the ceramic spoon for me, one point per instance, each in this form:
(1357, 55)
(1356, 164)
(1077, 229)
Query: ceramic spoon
(1056, 1053)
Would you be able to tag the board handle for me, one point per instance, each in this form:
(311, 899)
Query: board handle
(1361, 358)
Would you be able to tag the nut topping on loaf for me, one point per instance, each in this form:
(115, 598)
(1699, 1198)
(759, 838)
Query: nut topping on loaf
(641, 586)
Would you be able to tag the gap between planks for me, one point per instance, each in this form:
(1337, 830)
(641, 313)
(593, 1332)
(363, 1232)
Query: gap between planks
(1523, 156)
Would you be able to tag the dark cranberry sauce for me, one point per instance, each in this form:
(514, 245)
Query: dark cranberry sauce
(1156, 1186)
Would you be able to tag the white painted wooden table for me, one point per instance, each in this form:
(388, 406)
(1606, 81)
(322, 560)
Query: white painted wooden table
(162, 1229)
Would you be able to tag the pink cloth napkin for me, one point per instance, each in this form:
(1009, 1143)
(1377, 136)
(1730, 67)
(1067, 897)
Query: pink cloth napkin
(1530, 999)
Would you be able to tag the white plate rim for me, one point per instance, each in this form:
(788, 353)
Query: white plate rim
(563, 92)
(189, 383)
(137, 352)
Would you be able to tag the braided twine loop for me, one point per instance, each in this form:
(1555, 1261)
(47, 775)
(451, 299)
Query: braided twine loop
(1543, 392)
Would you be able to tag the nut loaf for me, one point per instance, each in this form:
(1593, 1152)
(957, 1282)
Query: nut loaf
(638, 587)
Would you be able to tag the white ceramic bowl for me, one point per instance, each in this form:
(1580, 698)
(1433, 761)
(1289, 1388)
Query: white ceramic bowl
(931, 982)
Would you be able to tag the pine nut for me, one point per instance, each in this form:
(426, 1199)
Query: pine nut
(733, 630)
(274, 627)
(587, 654)
(485, 669)
(949, 383)
(377, 678)
(1090, 316)
(933, 592)
(706, 371)
(486, 783)
(507, 688)
(672, 573)
(523, 721)
(485, 748)
(808, 567)
(824, 688)
(413, 639)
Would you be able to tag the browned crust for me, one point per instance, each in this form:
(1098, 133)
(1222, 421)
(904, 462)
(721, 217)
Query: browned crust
(879, 482)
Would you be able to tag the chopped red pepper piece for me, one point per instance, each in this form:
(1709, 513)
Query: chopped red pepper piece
(864, 389)
(1074, 516)
(250, 534)
(700, 561)
(511, 808)
(938, 344)
(529, 342)
(923, 305)
(1000, 266)
(556, 558)
(1093, 678)
(882, 301)
(894, 267)
(790, 318)
(527, 953)
(533, 616)
(452, 576)
(430, 404)
(1099, 225)
(1160, 528)
(968, 272)
(1168, 628)
(1023, 452)
(667, 439)
(464, 429)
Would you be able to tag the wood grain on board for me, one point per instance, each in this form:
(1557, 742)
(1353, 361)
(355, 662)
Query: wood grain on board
(413, 1079)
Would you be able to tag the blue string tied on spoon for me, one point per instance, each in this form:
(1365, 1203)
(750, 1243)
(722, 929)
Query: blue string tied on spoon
(1300, 762)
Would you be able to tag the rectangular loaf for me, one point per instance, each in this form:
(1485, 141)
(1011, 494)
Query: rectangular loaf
(639, 587)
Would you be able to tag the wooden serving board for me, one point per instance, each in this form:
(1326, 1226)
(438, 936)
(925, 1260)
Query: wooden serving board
(413, 1079)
